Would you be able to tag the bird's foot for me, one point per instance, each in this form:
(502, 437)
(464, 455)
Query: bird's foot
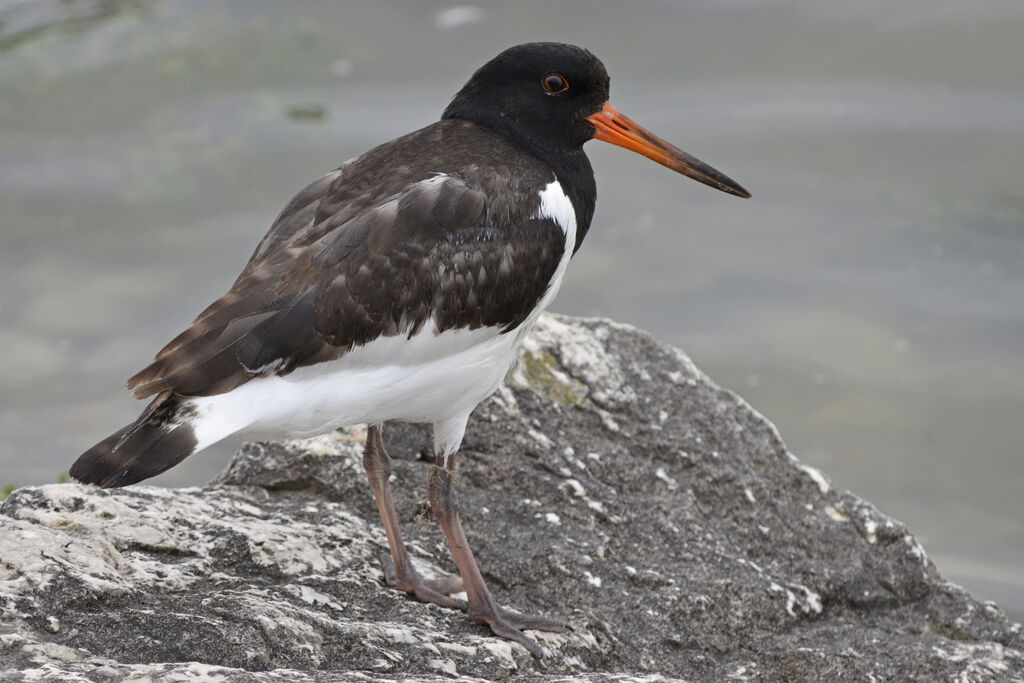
(510, 625)
(436, 591)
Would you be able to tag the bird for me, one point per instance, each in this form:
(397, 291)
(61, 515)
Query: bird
(399, 287)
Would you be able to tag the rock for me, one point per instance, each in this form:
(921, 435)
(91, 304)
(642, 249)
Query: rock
(609, 483)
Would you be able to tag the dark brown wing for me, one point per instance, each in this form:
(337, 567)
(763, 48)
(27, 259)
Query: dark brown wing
(327, 279)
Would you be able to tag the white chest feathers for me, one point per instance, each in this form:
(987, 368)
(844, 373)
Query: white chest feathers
(556, 205)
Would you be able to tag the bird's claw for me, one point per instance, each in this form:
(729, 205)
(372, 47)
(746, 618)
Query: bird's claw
(508, 624)
(435, 591)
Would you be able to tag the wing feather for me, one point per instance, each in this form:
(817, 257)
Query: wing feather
(343, 265)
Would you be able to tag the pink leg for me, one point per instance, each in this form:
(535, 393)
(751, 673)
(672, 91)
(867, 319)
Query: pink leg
(398, 569)
(482, 607)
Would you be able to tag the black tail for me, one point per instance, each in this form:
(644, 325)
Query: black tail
(156, 442)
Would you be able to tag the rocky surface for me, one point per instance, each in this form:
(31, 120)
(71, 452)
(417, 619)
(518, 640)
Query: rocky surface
(609, 483)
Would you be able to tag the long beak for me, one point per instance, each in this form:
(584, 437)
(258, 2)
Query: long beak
(615, 127)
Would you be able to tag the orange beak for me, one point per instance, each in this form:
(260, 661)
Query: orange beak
(615, 127)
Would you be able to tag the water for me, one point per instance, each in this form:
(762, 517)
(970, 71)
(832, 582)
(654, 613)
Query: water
(869, 299)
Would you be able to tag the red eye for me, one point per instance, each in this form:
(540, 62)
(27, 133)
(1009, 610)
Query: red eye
(554, 83)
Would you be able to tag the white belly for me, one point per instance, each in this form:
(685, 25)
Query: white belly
(428, 378)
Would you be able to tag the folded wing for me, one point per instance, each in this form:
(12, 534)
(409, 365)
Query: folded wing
(335, 273)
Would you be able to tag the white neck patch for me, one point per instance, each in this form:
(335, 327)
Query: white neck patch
(557, 206)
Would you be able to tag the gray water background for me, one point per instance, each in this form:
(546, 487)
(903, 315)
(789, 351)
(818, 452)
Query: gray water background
(869, 299)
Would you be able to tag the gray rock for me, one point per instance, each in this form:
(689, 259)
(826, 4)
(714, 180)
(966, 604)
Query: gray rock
(609, 483)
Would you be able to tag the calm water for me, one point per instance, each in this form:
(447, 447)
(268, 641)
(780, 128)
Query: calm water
(869, 299)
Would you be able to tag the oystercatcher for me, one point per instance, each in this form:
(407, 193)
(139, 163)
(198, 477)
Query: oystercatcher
(399, 287)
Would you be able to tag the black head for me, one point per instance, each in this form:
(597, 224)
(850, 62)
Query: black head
(550, 98)
(538, 95)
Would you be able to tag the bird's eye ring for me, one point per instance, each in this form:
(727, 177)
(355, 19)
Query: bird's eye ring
(554, 83)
